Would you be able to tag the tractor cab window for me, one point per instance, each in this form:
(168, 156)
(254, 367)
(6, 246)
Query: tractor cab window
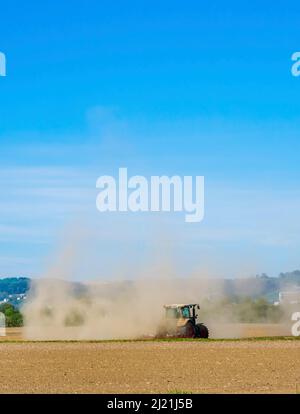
(185, 312)
(172, 313)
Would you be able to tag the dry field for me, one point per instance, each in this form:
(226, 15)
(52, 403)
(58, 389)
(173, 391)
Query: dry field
(217, 331)
(247, 366)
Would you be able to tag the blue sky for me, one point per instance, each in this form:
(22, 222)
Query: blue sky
(163, 88)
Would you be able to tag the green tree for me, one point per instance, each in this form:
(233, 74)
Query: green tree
(13, 316)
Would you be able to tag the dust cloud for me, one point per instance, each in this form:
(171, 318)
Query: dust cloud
(121, 308)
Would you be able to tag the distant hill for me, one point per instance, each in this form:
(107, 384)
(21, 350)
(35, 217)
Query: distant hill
(262, 285)
(13, 286)
(14, 289)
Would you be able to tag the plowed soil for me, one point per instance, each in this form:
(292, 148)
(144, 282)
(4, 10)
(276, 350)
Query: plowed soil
(248, 366)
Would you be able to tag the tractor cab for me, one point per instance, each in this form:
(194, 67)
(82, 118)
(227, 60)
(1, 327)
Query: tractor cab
(181, 311)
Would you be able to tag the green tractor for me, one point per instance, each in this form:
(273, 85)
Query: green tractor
(181, 321)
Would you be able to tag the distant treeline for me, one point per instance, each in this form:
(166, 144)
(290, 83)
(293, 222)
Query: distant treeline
(259, 286)
(242, 310)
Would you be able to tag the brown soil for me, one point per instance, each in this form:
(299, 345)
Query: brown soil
(151, 367)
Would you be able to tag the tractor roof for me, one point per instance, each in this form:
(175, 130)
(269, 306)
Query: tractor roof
(181, 305)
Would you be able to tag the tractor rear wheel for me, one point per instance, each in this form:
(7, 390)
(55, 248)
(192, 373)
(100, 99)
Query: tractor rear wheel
(202, 331)
(189, 330)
